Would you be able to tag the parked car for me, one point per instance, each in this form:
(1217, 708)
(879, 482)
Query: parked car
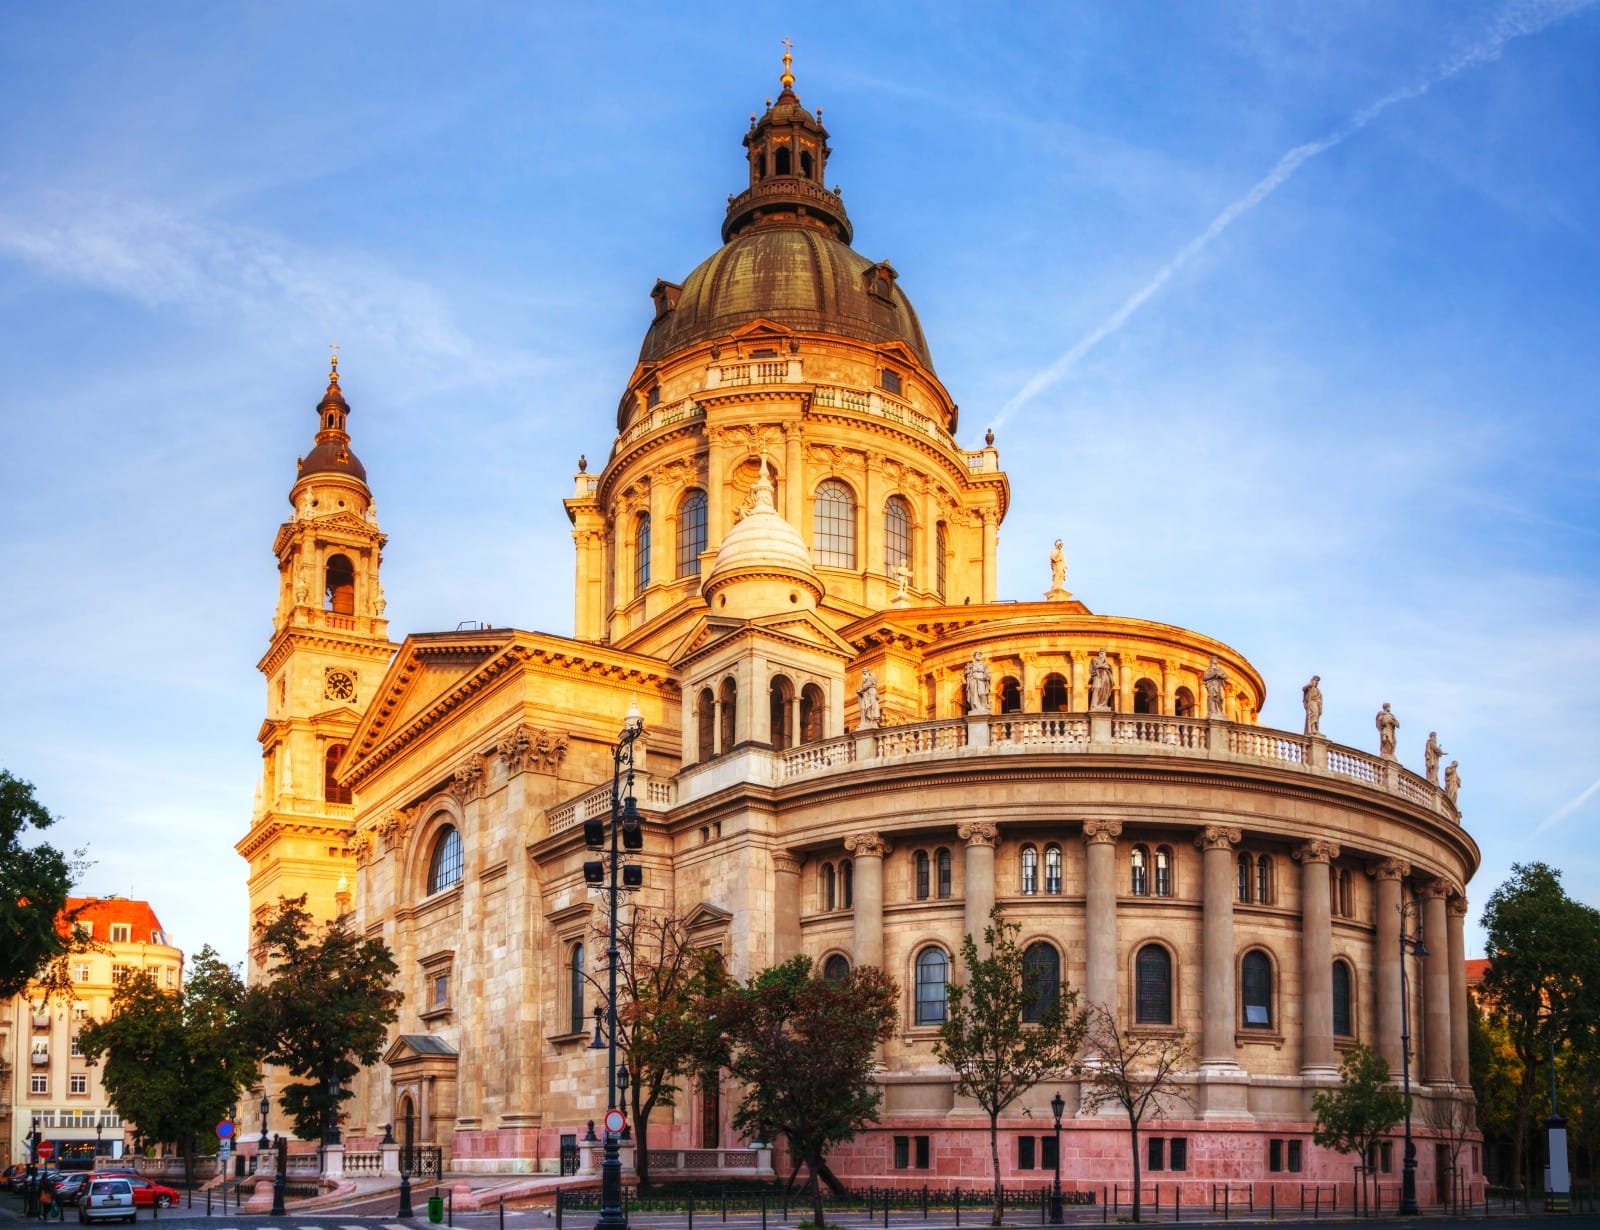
(69, 1186)
(146, 1192)
(15, 1177)
(107, 1199)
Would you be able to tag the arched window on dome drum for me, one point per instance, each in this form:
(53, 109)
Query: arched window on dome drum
(1343, 1024)
(1010, 695)
(1163, 871)
(1343, 889)
(847, 886)
(805, 163)
(641, 553)
(1030, 870)
(1053, 696)
(1146, 697)
(578, 1020)
(332, 791)
(1263, 879)
(1246, 878)
(833, 525)
(919, 871)
(813, 712)
(444, 865)
(1041, 981)
(933, 974)
(1152, 971)
(1052, 870)
(782, 161)
(942, 861)
(780, 698)
(941, 549)
(706, 725)
(1183, 703)
(691, 532)
(730, 714)
(836, 968)
(1139, 872)
(830, 888)
(896, 537)
(1255, 988)
(340, 584)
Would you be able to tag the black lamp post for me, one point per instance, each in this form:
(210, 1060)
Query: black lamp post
(99, 1138)
(1408, 1170)
(280, 1178)
(266, 1142)
(1057, 1105)
(626, 834)
(33, 1169)
(330, 1131)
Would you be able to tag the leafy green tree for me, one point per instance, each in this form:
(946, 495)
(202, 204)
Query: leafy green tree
(987, 1039)
(1543, 980)
(1365, 1106)
(1141, 1072)
(34, 881)
(1495, 1076)
(803, 1047)
(175, 1062)
(325, 1012)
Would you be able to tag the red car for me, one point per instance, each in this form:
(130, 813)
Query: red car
(145, 1192)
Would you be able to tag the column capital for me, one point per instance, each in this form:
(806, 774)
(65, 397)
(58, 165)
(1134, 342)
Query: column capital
(1458, 905)
(867, 845)
(1390, 869)
(786, 862)
(1101, 832)
(1317, 850)
(1218, 837)
(1438, 888)
(979, 833)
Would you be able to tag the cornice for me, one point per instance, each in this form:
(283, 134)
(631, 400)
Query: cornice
(273, 827)
(292, 637)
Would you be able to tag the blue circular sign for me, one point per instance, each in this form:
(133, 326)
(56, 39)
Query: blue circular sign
(224, 1130)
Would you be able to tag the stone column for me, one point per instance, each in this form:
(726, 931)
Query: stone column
(786, 904)
(991, 548)
(978, 871)
(1460, 1070)
(1388, 874)
(1100, 912)
(1316, 957)
(868, 850)
(1436, 1057)
(794, 487)
(717, 514)
(1216, 947)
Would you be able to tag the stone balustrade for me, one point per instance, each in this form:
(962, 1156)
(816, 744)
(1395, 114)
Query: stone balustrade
(653, 793)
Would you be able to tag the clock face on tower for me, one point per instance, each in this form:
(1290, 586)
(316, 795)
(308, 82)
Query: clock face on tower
(340, 686)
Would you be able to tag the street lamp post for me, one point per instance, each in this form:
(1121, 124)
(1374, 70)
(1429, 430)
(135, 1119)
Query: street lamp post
(1408, 1171)
(1057, 1105)
(266, 1142)
(33, 1169)
(330, 1131)
(626, 834)
(99, 1138)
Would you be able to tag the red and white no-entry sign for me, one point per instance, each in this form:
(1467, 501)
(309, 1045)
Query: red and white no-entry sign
(47, 1148)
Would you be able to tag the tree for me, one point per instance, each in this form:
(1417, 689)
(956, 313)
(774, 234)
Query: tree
(326, 1011)
(803, 1046)
(1365, 1106)
(34, 882)
(987, 1039)
(175, 1062)
(1141, 1072)
(1454, 1122)
(1543, 980)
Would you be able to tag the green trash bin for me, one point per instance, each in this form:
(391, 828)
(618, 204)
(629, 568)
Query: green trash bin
(436, 1209)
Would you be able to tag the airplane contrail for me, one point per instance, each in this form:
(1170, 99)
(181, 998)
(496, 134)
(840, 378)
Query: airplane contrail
(1566, 809)
(1517, 21)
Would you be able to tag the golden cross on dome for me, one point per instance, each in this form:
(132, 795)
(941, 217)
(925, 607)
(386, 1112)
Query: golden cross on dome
(334, 348)
(788, 77)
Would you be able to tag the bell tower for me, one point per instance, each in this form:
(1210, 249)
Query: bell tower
(329, 649)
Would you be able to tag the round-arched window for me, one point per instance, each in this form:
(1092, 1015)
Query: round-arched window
(444, 865)
(933, 975)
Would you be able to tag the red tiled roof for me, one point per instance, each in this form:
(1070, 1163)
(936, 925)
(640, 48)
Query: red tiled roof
(1477, 967)
(143, 925)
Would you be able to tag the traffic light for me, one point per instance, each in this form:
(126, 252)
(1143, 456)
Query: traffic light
(594, 834)
(632, 875)
(632, 831)
(594, 872)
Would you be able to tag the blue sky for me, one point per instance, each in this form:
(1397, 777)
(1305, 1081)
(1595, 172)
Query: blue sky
(1285, 316)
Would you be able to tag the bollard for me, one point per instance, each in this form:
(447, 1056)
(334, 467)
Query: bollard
(958, 1205)
(1105, 1207)
(1226, 1193)
(885, 1211)
(924, 1202)
(405, 1198)
(1177, 1202)
(450, 1216)
(724, 1202)
(208, 1202)
(502, 1213)
(691, 1208)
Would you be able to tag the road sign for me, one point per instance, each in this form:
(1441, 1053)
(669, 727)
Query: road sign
(47, 1148)
(615, 1121)
(224, 1130)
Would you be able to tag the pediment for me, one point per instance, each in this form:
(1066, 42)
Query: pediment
(417, 1048)
(796, 630)
(707, 917)
(900, 352)
(754, 332)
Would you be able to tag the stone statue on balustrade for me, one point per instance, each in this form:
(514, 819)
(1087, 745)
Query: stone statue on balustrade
(1387, 724)
(1311, 697)
(1432, 754)
(867, 698)
(1058, 574)
(1101, 683)
(1452, 781)
(902, 595)
(1216, 681)
(977, 685)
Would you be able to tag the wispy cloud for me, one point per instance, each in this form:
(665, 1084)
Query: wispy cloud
(1514, 22)
(1567, 808)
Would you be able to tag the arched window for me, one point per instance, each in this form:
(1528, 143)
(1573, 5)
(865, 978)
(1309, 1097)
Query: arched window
(942, 858)
(1263, 879)
(1152, 970)
(641, 553)
(706, 724)
(1030, 870)
(782, 161)
(1183, 703)
(833, 525)
(1041, 980)
(780, 697)
(1146, 697)
(1246, 878)
(1052, 870)
(444, 865)
(340, 586)
(1163, 871)
(813, 709)
(847, 877)
(933, 973)
(836, 968)
(332, 791)
(730, 714)
(920, 873)
(575, 979)
(1343, 1021)
(941, 548)
(691, 532)
(896, 536)
(1139, 869)
(1344, 893)
(830, 888)
(805, 163)
(1054, 697)
(1010, 695)
(1255, 989)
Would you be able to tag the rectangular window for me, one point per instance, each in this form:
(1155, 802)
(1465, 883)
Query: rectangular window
(121, 933)
(1048, 1152)
(75, 1050)
(80, 973)
(1294, 1155)
(39, 1082)
(944, 873)
(1386, 1156)
(1155, 1153)
(80, 1082)
(902, 1152)
(1178, 1153)
(80, 1012)
(119, 974)
(891, 382)
(172, 977)
(441, 990)
(922, 1152)
(1025, 1153)
(1274, 1155)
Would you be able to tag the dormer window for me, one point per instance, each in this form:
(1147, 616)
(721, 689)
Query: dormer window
(652, 399)
(890, 381)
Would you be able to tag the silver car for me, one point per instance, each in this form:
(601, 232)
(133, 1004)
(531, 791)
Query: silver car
(106, 1200)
